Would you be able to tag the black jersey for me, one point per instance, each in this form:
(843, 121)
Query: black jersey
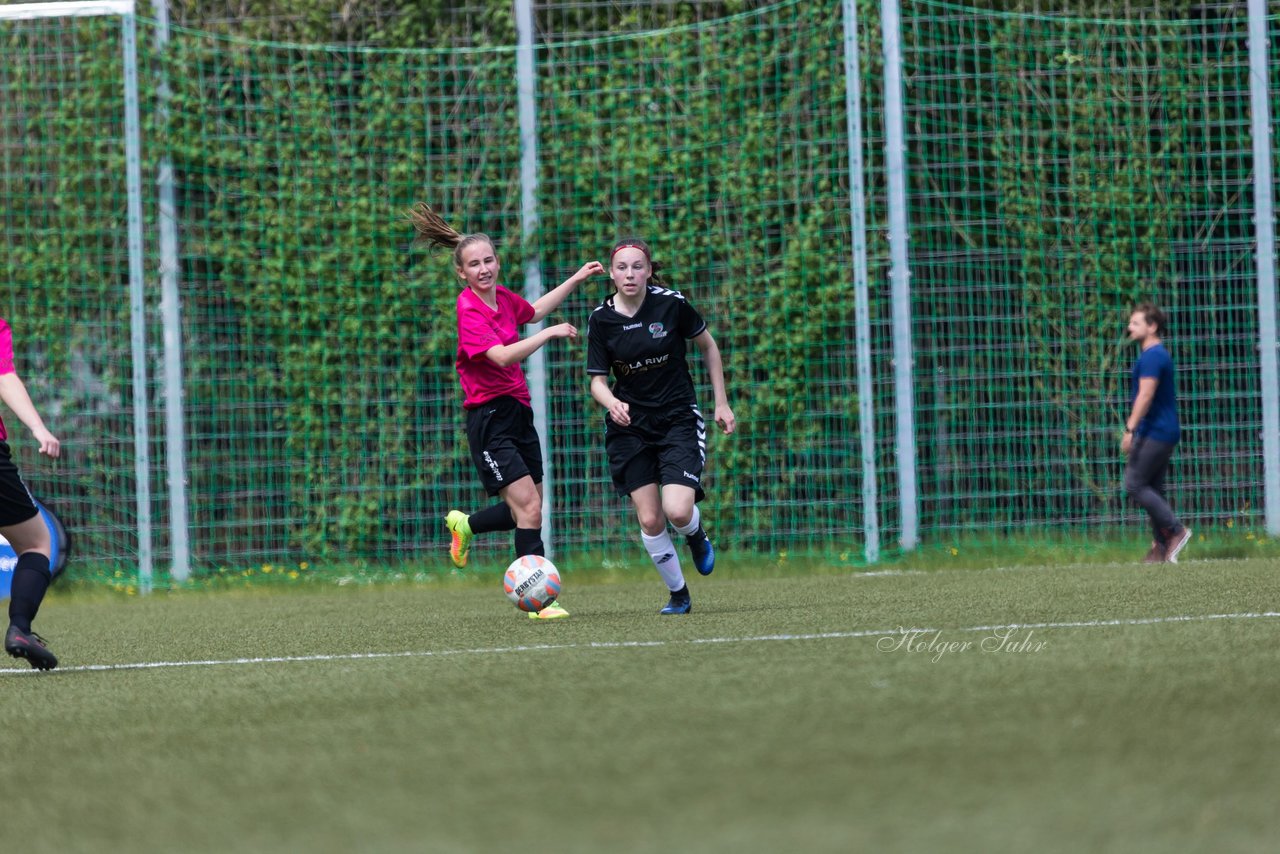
(647, 352)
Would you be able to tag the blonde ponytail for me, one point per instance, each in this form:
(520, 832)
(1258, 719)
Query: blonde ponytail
(433, 230)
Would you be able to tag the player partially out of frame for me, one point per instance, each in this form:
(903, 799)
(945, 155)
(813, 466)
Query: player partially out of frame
(20, 521)
(504, 444)
(655, 436)
(1152, 431)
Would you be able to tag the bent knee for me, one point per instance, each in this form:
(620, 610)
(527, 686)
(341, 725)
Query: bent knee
(30, 538)
(680, 516)
(653, 524)
(526, 508)
(529, 516)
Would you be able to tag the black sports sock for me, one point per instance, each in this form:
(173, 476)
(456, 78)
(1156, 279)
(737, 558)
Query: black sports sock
(31, 579)
(529, 542)
(495, 518)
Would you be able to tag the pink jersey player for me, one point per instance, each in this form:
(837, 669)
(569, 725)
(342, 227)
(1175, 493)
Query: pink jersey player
(20, 521)
(504, 444)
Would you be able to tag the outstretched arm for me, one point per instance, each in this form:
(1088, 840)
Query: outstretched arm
(509, 354)
(551, 300)
(715, 368)
(14, 394)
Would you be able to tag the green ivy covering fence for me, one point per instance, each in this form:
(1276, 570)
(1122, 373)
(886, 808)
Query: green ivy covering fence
(1059, 169)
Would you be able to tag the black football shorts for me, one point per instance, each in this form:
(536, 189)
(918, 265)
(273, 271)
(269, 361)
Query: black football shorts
(16, 504)
(504, 443)
(662, 446)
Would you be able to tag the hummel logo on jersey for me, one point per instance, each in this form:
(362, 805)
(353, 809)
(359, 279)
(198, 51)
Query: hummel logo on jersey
(692, 477)
(656, 330)
(630, 326)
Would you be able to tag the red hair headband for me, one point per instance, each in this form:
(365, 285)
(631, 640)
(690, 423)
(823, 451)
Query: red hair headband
(622, 246)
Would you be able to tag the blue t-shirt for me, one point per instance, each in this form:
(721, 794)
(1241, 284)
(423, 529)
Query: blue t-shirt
(1161, 421)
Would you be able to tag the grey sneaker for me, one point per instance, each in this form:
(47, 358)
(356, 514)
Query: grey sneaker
(1176, 543)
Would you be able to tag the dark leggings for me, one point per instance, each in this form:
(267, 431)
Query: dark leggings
(1144, 480)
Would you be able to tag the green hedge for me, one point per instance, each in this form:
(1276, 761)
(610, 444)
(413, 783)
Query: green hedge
(323, 414)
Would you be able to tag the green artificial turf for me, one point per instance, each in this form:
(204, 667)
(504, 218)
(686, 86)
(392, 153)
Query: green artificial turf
(787, 713)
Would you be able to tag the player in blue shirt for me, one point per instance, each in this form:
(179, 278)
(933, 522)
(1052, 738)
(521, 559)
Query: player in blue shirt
(1151, 432)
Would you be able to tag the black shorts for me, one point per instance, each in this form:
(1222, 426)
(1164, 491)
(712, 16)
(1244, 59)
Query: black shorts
(504, 443)
(16, 504)
(662, 446)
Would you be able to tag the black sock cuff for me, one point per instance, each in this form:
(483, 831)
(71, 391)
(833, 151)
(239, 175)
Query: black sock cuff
(33, 560)
(528, 541)
(495, 518)
(31, 579)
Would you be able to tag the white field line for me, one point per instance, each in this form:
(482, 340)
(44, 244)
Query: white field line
(504, 650)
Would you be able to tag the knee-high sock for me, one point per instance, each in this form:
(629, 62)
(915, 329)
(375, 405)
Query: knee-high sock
(529, 542)
(693, 531)
(31, 579)
(495, 518)
(663, 553)
(695, 523)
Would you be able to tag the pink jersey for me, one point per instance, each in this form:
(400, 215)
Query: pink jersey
(480, 329)
(6, 363)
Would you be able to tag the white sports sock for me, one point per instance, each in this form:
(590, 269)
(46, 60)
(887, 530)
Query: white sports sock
(663, 553)
(694, 521)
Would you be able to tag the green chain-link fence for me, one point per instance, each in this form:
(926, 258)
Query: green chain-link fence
(1062, 170)
(1058, 169)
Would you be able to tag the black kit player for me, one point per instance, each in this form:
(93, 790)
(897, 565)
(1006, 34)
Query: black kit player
(655, 437)
(20, 521)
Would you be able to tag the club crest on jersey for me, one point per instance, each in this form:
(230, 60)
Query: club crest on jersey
(657, 330)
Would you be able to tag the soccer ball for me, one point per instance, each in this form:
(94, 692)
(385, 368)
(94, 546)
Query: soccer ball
(532, 582)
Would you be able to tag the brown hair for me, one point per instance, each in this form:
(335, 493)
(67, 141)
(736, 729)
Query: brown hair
(637, 243)
(1154, 316)
(435, 231)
